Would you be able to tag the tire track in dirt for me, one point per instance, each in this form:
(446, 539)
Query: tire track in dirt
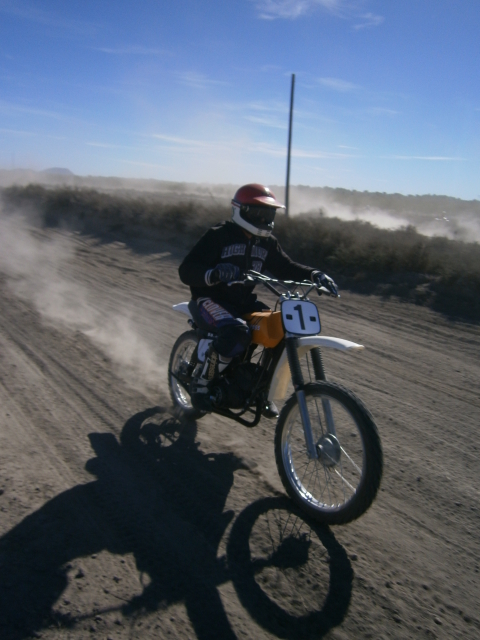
(129, 506)
(163, 504)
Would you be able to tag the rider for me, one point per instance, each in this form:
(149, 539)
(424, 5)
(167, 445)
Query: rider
(220, 257)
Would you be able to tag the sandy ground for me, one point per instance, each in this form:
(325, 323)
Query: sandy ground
(119, 522)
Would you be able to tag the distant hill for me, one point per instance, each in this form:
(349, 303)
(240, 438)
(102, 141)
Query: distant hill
(58, 171)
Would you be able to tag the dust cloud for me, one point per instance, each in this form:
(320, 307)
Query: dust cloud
(455, 223)
(377, 217)
(39, 269)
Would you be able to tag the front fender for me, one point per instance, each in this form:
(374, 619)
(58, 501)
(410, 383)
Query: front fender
(282, 376)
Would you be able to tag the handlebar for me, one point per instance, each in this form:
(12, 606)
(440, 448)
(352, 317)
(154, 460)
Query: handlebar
(260, 278)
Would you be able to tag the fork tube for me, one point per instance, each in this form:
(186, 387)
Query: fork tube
(319, 371)
(298, 384)
(317, 362)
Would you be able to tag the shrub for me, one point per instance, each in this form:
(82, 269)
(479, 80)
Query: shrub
(442, 273)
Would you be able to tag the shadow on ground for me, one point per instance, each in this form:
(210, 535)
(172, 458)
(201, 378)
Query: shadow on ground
(159, 497)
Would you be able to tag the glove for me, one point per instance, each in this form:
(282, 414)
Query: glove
(322, 280)
(225, 272)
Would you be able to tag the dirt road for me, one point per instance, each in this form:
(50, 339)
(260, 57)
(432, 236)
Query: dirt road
(119, 522)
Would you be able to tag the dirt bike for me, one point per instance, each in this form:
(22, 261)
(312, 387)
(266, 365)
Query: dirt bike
(327, 448)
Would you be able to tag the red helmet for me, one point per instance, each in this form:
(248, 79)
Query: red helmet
(254, 207)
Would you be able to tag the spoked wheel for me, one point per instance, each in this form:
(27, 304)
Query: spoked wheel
(341, 483)
(183, 361)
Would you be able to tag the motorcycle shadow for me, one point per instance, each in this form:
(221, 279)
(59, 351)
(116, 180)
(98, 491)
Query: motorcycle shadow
(289, 572)
(158, 497)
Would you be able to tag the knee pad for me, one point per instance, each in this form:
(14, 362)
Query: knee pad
(232, 340)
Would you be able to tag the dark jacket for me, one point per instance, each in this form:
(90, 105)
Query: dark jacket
(227, 242)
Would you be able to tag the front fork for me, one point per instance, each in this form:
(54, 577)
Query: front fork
(298, 385)
(319, 372)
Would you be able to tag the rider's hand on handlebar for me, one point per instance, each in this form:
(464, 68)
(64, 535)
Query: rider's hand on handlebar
(322, 280)
(225, 272)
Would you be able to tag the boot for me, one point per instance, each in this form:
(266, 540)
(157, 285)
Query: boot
(270, 410)
(200, 387)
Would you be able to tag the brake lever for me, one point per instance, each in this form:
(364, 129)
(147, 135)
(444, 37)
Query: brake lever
(247, 279)
(321, 290)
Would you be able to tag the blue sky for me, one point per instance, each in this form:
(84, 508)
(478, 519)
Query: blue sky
(387, 93)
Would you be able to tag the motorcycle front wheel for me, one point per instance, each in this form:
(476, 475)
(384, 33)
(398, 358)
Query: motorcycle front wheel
(340, 484)
(181, 366)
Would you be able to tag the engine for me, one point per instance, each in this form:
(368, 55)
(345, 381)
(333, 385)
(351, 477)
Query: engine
(234, 388)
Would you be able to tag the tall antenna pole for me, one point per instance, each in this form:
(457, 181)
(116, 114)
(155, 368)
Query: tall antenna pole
(287, 187)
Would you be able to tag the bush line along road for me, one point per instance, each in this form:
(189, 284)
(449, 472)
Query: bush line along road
(436, 272)
(103, 534)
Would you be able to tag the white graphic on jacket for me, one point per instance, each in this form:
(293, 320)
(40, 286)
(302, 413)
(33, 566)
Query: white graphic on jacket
(259, 252)
(240, 249)
(257, 265)
(234, 250)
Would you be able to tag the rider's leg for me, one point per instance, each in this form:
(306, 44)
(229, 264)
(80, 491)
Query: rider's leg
(239, 336)
(231, 339)
(270, 410)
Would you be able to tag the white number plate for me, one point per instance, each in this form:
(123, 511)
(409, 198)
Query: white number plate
(300, 316)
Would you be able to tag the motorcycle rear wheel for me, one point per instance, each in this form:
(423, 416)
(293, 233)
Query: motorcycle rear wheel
(183, 361)
(341, 483)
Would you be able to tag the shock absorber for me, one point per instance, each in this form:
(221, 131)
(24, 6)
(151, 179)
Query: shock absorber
(317, 361)
(294, 362)
(319, 370)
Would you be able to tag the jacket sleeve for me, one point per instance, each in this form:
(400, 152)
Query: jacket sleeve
(283, 267)
(205, 255)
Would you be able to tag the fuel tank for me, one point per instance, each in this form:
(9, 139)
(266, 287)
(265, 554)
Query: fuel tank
(266, 327)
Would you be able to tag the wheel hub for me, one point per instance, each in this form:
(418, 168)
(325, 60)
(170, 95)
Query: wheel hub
(328, 450)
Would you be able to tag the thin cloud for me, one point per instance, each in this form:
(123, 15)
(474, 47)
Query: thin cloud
(316, 116)
(179, 141)
(291, 9)
(150, 165)
(279, 151)
(299, 153)
(197, 80)
(274, 107)
(275, 150)
(428, 158)
(131, 50)
(338, 85)
(8, 107)
(108, 145)
(382, 111)
(369, 20)
(16, 132)
(27, 11)
(267, 122)
(268, 68)
(188, 145)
